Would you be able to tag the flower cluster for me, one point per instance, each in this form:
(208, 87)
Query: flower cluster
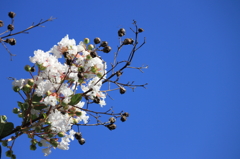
(51, 103)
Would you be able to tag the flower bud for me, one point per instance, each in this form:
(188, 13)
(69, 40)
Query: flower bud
(53, 142)
(111, 126)
(1, 23)
(61, 134)
(140, 30)
(30, 82)
(81, 141)
(78, 135)
(107, 49)
(4, 117)
(34, 141)
(27, 68)
(75, 121)
(33, 147)
(112, 120)
(16, 89)
(39, 144)
(126, 114)
(94, 69)
(41, 67)
(13, 156)
(10, 27)
(121, 32)
(93, 54)
(11, 14)
(97, 40)
(5, 143)
(86, 40)
(50, 135)
(90, 47)
(99, 75)
(123, 118)
(9, 153)
(104, 44)
(16, 110)
(78, 113)
(27, 88)
(122, 90)
(20, 115)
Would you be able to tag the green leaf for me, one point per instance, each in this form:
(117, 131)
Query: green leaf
(40, 106)
(6, 128)
(75, 99)
(44, 115)
(36, 98)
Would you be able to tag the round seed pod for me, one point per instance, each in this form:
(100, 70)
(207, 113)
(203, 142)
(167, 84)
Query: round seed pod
(107, 49)
(121, 32)
(97, 40)
(11, 14)
(1, 23)
(111, 126)
(140, 30)
(81, 141)
(104, 44)
(10, 27)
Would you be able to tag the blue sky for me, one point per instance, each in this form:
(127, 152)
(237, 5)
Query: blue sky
(190, 109)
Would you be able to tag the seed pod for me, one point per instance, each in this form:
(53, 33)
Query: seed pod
(127, 41)
(104, 44)
(81, 141)
(11, 14)
(111, 126)
(121, 32)
(96, 100)
(80, 75)
(93, 54)
(126, 114)
(97, 40)
(119, 73)
(107, 49)
(32, 69)
(123, 118)
(122, 90)
(140, 30)
(10, 27)
(1, 23)
(112, 120)
(65, 54)
(11, 41)
(78, 136)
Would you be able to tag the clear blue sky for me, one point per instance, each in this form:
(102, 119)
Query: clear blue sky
(192, 105)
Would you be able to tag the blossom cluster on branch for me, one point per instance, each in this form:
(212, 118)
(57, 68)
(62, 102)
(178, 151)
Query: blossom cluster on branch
(63, 82)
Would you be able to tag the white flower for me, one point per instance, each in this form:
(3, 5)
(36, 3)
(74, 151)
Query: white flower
(50, 100)
(46, 151)
(60, 122)
(19, 83)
